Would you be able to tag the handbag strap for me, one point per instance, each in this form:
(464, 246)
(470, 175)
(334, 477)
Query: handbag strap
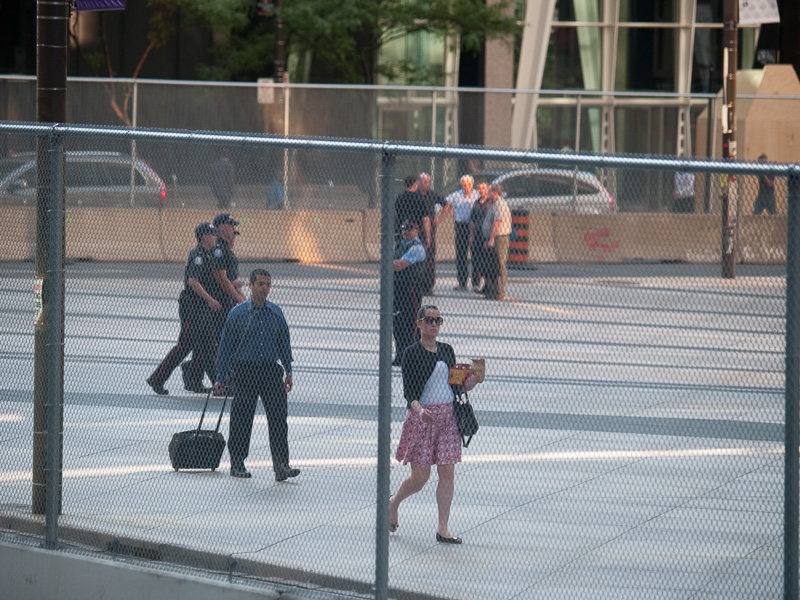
(465, 400)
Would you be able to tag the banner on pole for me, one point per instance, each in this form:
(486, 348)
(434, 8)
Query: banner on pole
(99, 4)
(758, 11)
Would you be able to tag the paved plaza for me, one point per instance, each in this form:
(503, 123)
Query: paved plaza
(631, 441)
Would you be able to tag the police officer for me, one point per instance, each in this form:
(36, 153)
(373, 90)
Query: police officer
(197, 305)
(225, 267)
(408, 264)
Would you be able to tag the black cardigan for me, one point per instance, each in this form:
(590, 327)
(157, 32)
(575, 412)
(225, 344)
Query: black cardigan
(418, 365)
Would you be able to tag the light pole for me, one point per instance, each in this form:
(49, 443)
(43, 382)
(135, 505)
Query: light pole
(730, 195)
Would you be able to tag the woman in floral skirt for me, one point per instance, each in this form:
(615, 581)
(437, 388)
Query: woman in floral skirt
(430, 435)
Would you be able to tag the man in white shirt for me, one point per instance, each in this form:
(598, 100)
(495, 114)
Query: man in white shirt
(460, 205)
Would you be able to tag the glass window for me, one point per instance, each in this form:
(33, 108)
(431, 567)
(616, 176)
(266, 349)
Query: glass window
(573, 59)
(117, 174)
(709, 11)
(553, 185)
(578, 10)
(706, 63)
(520, 186)
(646, 60)
(658, 11)
(83, 174)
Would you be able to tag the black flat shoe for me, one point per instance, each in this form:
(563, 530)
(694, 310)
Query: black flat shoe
(445, 540)
(240, 472)
(393, 526)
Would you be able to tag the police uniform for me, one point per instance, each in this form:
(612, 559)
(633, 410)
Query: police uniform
(406, 294)
(196, 320)
(222, 259)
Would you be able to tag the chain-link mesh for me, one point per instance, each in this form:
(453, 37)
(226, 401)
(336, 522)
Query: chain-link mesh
(631, 420)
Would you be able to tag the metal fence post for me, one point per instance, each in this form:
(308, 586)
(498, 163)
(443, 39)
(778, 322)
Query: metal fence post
(48, 382)
(385, 377)
(792, 383)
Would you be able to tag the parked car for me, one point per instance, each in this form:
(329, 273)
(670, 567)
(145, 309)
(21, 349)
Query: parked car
(549, 190)
(92, 179)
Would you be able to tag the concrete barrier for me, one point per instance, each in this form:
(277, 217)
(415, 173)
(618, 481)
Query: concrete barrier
(167, 235)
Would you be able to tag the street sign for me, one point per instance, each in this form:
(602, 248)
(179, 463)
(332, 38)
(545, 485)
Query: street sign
(758, 11)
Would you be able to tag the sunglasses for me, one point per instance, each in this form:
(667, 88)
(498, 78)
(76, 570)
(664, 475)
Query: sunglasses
(432, 320)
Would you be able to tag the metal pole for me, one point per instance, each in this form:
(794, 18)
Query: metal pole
(52, 20)
(730, 198)
(281, 77)
(792, 383)
(385, 378)
(134, 120)
(433, 133)
(709, 155)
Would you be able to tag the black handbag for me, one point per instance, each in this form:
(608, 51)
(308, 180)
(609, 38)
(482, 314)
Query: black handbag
(465, 418)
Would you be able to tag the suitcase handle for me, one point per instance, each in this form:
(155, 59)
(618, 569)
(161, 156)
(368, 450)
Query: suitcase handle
(221, 412)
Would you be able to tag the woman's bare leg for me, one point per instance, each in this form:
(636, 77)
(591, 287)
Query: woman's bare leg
(410, 486)
(444, 496)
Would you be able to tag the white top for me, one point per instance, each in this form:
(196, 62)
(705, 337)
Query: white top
(437, 390)
(462, 204)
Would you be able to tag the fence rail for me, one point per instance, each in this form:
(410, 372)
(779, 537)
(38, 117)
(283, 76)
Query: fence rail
(638, 421)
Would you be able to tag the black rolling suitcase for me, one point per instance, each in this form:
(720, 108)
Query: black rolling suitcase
(198, 448)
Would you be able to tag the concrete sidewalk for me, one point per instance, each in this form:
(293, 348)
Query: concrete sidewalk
(544, 513)
(631, 441)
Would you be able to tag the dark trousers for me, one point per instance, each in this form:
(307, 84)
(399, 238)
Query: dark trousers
(428, 279)
(478, 261)
(406, 305)
(194, 337)
(251, 381)
(764, 201)
(462, 253)
(195, 370)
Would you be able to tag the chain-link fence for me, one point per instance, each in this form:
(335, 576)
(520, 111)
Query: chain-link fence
(632, 419)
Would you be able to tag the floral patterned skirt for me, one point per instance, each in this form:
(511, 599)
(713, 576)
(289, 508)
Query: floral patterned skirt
(426, 444)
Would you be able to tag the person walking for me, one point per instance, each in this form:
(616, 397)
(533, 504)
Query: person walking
(255, 359)
(197, 305)
(459, 204)
(430, 199)
(765, 200)
(496, 230)
(478, 252)
(225, 266)
(430, 435)
(409, 259)
(222, 181)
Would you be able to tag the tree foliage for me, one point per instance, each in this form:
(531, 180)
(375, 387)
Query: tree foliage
(344, 38)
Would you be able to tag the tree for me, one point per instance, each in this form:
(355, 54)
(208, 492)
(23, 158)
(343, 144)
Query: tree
(344, 38)
(163, 19)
